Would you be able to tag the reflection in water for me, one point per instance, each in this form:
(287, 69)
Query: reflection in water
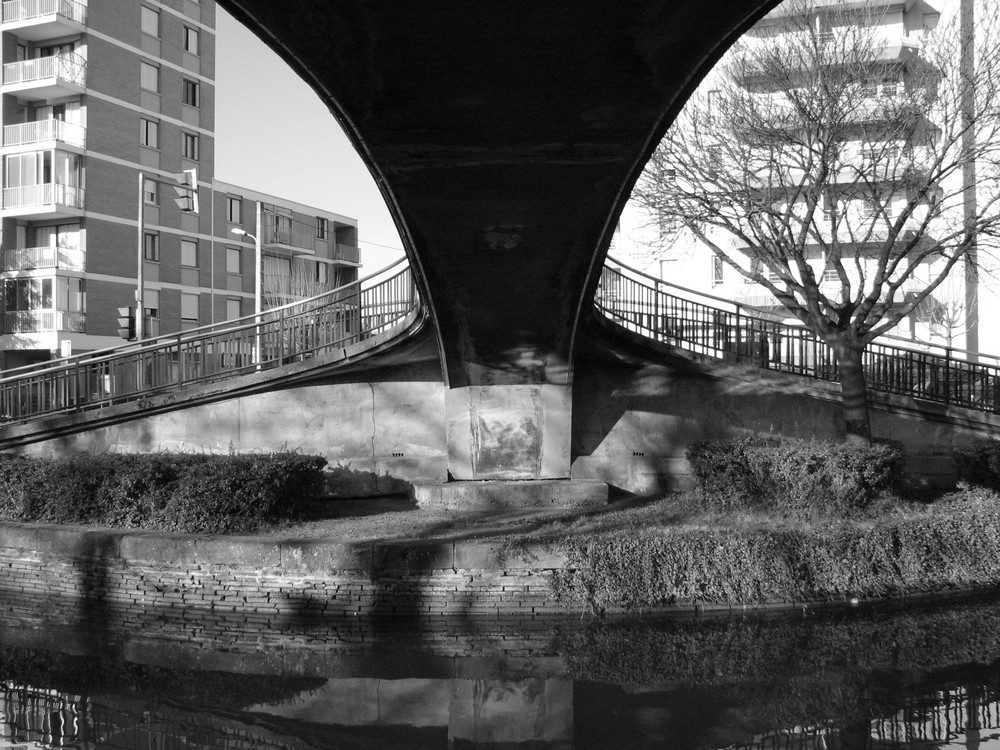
(916, 679)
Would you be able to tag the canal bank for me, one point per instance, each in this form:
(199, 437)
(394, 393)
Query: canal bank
(528, 565)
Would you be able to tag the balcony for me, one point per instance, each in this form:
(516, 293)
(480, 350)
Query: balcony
(40, 201)
(31, 258)
(36, 20)
(45, 132)
(347, 254)
(289, 238)
(40, 321)
(44, 78)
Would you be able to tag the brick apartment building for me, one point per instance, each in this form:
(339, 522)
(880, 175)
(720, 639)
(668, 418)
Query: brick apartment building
(95, 94)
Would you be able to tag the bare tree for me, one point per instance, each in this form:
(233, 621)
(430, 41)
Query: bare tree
(945, 313)
(827, 149)
(290, 280)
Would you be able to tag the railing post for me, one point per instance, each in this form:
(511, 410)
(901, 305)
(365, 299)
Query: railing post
(947, 375)
(180, 360)
(82, 392)
(739, 331)
(281, 336)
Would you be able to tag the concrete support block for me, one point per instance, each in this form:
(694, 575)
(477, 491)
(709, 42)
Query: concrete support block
(499, 495)
(509, 431)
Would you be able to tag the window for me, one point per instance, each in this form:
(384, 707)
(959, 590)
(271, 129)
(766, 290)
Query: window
(233, 309)
(189, 253)
(151, 302)
(150, 193)
(234, 260)
(190, 40)
(27, 294)
(322, 273)
(234, 210)
(191, 93)
(58, 235)
(149, 133)
(189, 309)
(717, 270)
(189, 146)
(150, 22)
(321, 227)
(712, 101)
(281, 229)
(151, 247)
(149, 77)
(70, 295)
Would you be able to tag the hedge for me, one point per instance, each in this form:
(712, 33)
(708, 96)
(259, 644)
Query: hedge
(195, 493)
(979, 464)
(768, 472)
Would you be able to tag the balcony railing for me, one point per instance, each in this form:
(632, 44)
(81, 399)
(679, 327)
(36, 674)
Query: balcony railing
(48, 194)
(26, 10)
(67, 66)
(29, 258)
(41, 321)
(43, 131)
(289, 236)
(348, 253)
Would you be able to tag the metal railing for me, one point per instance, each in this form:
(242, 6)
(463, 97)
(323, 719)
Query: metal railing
(43, 131)
(29, 258)
(349, 253)
(66, 66)
(25, 10)
(338, 319)
(46, 194)
(716, 327)
(39, 321)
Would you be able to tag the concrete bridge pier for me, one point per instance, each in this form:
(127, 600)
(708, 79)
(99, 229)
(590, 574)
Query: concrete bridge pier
(509, 447)
(505, 137)
(509, 432)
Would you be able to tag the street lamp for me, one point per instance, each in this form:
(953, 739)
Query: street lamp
(258, 270)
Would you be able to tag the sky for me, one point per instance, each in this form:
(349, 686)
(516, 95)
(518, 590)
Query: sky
(273, 134)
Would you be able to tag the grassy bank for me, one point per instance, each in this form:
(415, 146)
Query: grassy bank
(673, 552)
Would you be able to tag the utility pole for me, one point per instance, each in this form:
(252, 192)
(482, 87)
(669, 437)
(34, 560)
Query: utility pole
(966, 71)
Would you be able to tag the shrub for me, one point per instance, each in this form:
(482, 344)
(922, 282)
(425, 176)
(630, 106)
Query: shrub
(178, 492)
(774, 473)
(979, 464)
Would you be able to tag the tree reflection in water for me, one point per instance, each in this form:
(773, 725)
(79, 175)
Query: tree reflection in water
(914, 678)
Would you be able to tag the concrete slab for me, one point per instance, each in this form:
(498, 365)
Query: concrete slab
(496, 494)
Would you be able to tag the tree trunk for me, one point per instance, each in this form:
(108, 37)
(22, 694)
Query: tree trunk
(853, 393)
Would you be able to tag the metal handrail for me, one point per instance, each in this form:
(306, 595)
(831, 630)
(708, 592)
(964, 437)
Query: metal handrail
(716, 327)
(333, 321)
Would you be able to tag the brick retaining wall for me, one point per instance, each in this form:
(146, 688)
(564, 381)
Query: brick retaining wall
(273, 578)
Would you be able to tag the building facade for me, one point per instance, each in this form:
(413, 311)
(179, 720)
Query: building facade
(107, 107)
(664, 249)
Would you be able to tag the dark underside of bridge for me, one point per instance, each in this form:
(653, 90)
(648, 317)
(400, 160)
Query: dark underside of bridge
(505, 136)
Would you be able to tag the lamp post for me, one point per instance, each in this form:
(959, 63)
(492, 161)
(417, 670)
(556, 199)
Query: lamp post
(258, 272)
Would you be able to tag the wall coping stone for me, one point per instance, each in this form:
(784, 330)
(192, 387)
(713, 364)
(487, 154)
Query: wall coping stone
(281, 554)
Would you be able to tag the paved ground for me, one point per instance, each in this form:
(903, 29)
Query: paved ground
(399, 518)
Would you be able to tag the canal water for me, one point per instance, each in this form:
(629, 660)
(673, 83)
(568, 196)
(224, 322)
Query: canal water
(906, 677)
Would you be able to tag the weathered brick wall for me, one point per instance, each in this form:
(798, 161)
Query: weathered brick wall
(93, 572)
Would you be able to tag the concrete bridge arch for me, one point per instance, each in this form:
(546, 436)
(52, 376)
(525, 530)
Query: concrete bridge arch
(505, 136)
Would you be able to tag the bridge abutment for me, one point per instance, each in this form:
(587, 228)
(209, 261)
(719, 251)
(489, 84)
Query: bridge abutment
(509, 432)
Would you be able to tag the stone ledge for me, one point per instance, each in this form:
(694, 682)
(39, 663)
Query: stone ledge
(511, 494)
